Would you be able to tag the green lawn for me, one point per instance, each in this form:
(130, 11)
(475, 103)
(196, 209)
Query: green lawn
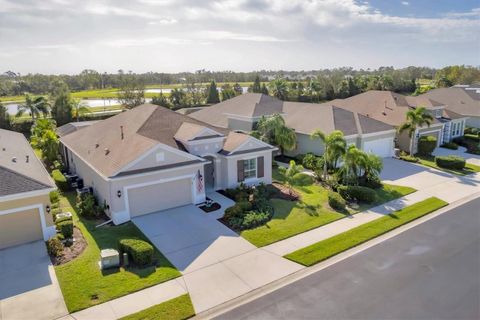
(311, 211)
(82, 282)
(329, 247)
(175, 309)
(430, 162)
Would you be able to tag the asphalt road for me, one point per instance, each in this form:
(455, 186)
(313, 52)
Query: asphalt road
(431, 271)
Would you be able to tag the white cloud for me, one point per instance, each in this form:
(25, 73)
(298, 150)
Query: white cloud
(405, 3)
(227, 35)
(136, 42)
(163, 21)
(100, 9)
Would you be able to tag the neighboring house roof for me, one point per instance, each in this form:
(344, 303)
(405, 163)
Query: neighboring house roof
(20, 170)
(302, 117)
(73, 126)
(464, 100)
(111, 144)
(249, 105)
(385, 106)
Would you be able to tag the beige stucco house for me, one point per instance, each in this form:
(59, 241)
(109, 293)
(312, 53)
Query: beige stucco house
(151, 158)
(391, 108)
(24, 193)
(244, 111)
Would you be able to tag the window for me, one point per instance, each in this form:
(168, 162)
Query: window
(250, 168)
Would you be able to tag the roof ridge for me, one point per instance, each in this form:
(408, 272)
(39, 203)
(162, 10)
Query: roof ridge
(357, 123)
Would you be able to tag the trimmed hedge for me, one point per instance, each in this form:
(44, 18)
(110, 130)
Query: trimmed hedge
(409, 158)
(336, 201)
(54, 247)
(451, 162)
(60, 180)
(359, 193)
(140, 251)
(66, 228)
(426, 145)
(450, 145)
(472, 137)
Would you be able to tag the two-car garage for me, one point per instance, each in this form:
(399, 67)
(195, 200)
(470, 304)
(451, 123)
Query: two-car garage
(145, 199)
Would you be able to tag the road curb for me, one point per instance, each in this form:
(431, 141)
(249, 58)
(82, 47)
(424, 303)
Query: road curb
(273, 286)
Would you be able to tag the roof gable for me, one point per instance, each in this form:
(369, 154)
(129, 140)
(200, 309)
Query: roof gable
(14, 183)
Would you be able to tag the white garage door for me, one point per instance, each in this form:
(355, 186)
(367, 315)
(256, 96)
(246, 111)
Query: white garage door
(381, 147)
(20, 227)
(161, 196)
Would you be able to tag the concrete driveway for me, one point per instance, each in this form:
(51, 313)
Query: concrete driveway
(28, 285)
(470, 158)
(218, 265)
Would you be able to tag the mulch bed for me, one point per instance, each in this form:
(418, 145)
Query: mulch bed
(70, 253)
(214, 207)
(282, 192)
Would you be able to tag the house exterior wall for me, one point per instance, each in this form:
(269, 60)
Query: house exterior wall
(306, 145)
(230, 179)
(25, 219)
(158, 157)
(473, 121)
(242, 125)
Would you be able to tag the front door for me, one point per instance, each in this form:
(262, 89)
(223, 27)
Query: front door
(210, 173)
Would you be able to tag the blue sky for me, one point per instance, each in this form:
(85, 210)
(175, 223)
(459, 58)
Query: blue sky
(66, 36)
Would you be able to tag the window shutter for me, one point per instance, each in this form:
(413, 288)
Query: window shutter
(240, 173)
(260, 167)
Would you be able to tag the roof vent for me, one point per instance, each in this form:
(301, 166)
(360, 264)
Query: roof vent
(107, 151)
(14, 159)
(27, 158)
(3, 149)
(121, 132)
(462, 102)
(96, 145)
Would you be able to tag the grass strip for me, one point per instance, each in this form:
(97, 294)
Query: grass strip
(174, 309)
(327, 248)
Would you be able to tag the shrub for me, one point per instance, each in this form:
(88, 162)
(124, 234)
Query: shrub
(472, 137)
(60, 180)
(87, 207)
(426, 145)
(57, 221)
(408, 158)
(373, 182)
(254, 219)
(140, 251)
(450, 145)
(54, 247)
(54, 197)
(470, 130)
(450, 162)
(336, 201)
(471, 145)
(66, 228)
(359, 193)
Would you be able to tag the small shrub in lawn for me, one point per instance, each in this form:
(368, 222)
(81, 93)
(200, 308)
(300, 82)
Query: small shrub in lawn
(358, 193)
(426, 145)
(450, 162)
(336, 201)
(54, 247)
(87, 206)
(60, 180)
(140, 251)
(254, 219)
(66, 228)
(450, 145)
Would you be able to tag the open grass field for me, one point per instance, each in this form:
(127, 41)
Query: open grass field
(82, 282)
(329, 247)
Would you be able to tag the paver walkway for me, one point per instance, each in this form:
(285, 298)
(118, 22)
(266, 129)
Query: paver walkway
(222, 277)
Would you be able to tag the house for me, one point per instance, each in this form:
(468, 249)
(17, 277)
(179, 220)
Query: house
(243, 112)
(391, 108)
(461, 99)
(24, 193)
(151, 158)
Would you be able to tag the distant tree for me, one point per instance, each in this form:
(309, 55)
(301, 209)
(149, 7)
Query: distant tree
(90, 79)
(256, 88)
(62, 107)
(79, 109)
(131, 92)
(177, 97)
(417, 117)
(195, 95)
(5, 121)
(279, 88)
(212, 93)
(44, 138)
(264, 89)
(443, 82)
(161, 100)
(35, 106)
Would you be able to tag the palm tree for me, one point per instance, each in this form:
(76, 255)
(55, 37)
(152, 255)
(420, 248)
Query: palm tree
(417, 117)
(35, 106)
(285, 139)
(352, 163)
(79, 109)
(290, 174)
(372, 165)
(274, 131)
(279, 88)
(334, 147)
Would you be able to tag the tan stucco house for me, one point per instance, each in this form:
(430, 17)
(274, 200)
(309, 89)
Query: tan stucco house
(151, 158)
(461, 99)
(391, 108)
(24, 193)
(244, 111)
